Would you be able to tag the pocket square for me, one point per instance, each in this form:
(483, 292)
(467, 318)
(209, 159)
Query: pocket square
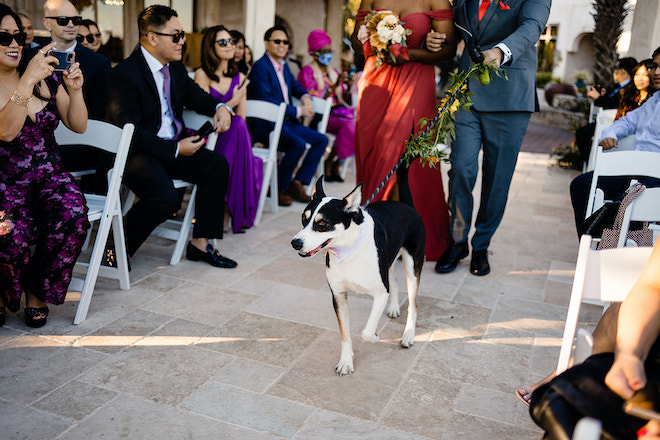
(504, 6)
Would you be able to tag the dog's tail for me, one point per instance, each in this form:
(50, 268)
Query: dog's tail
(402, 181)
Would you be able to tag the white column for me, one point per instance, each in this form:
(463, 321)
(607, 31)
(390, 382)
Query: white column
(259, 16)
(645, 36)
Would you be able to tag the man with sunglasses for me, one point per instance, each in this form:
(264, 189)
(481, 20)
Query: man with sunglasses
(150, 89)
(272, 81)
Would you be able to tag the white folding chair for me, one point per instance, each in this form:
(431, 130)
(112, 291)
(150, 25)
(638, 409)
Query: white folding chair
(604, 118)
(620, 163)
(273, 113)
(322, 107)
(103, 208)
(645, 208)
(602, 275)
(173, 229)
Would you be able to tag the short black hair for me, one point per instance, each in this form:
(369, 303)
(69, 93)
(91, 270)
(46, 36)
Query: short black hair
(270, 31)
(154, 18)
(628, 64)
(6, 10)
(655, 53)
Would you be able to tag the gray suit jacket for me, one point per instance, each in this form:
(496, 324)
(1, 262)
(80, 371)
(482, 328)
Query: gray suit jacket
(518, 24)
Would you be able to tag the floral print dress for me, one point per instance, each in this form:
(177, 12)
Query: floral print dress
(40, 207)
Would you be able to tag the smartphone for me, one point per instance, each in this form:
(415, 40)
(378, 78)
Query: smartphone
(65, 59)
(645, 403)
(205, 130)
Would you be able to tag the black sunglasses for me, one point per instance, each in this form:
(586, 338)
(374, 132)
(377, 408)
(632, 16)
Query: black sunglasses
(89, 37)
(6, 38)
(64, 20)
(175, 37)
(284, 42)
(224, 42)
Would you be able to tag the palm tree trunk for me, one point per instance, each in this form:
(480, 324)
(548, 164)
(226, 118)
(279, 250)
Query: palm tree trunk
(609, 16)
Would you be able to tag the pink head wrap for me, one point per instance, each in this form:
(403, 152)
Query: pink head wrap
(317, 39)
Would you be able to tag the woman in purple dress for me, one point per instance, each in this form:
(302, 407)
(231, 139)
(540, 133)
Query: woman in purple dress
(40, 205)
(220, 77)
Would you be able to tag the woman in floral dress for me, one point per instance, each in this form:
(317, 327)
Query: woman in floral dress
(40, 205)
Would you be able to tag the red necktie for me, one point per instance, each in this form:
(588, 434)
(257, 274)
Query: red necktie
(482, 8)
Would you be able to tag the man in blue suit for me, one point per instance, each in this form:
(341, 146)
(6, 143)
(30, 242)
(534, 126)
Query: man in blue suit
(506, 31)
(272, 81)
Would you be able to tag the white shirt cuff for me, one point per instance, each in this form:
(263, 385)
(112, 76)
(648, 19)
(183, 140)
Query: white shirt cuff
(176, 153)
(505, 51)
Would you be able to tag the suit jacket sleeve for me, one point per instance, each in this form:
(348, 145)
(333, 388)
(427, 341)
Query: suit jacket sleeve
(265, 86)
(532, 17)
(190, 95)
(130, 98)
(95, 68)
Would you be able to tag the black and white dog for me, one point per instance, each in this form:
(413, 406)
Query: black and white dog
(362, 245)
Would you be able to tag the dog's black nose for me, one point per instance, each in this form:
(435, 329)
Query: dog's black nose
(297, 244)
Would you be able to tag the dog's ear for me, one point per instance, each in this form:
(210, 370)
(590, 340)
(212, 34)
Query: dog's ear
(354, 199)
(318, 189)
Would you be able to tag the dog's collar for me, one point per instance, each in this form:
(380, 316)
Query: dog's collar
(342, 252)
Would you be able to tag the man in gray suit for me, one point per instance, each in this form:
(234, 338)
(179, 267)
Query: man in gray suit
(506, 31)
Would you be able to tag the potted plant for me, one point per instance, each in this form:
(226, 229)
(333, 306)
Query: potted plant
(581, 79)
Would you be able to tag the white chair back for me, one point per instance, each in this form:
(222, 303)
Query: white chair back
(645, 208)
(604, 118)
(602, 275)
(103, 208)
(274, 113)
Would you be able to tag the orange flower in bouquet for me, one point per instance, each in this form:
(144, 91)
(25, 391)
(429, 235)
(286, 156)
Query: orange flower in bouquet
(384, 32)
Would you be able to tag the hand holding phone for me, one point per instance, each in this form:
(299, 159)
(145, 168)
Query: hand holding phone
(205, 130)
(65, 60)
(645, 403)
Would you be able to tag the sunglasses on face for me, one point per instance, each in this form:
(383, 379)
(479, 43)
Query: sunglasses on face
(284, 42)
(63, 20)
(176, 37)
(6, 38)
(89, 37)
(224, 42)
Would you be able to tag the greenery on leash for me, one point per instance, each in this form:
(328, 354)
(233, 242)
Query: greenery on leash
(439, 131)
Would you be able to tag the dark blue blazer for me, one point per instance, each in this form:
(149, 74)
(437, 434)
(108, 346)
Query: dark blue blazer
(265, 86)
(95, 68)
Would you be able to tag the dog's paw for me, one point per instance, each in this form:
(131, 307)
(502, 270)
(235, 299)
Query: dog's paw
(344, 367)
(408, 339)
(370, 337)
(393, 311)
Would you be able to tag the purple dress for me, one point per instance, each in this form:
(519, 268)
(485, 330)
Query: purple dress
(245, 170)
(39, 205)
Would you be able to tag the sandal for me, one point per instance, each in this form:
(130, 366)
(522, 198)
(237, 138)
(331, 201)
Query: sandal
(524, 395)
(36, 317)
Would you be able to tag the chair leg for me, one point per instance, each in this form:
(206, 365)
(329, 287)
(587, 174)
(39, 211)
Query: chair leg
(185, 229)
(120, 251)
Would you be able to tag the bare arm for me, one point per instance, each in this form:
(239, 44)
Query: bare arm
(365, 5)
(202, 80)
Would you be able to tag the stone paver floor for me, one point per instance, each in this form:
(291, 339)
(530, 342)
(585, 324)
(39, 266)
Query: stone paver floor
(193, 352)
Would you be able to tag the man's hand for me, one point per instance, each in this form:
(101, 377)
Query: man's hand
(306, 108)
(493, 56)
(608, 143)
(434, 41)
(222, 119)
(189, 146)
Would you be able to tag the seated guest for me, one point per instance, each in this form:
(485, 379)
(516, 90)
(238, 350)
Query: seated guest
(28, 28)
(272, 81)
(150, 89)
(643, 123)
(637, 91)
(323, 81)
(39, 202)
(219, 76)
(89, 35)
(597, 388)
(239, 53)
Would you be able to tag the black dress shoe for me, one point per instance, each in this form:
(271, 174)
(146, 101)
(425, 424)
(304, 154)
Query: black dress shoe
(479, 265)
(449, 260)
(211, 256)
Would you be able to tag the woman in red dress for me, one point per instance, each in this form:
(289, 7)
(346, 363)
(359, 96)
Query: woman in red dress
(391, 101)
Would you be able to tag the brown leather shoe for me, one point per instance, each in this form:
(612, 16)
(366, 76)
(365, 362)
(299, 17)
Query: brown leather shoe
(297, 192)
(283, 199)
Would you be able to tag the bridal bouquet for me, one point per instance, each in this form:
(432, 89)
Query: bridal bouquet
(383, 31)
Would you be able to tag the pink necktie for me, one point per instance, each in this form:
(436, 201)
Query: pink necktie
(178, 126)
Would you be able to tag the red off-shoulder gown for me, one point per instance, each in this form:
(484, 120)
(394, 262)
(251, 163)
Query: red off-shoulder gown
(391, 101)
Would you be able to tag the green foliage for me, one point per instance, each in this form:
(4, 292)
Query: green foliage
(424, 145)
(543, 78)
(568, 157)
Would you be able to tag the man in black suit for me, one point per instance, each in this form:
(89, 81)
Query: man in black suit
(150, 89)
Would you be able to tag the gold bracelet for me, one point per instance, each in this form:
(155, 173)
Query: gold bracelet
(20, 99)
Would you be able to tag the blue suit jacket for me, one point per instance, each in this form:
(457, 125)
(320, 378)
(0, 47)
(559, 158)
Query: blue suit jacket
(265, 86)
(518, 24)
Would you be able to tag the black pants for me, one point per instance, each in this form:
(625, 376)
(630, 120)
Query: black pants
(151, 181)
